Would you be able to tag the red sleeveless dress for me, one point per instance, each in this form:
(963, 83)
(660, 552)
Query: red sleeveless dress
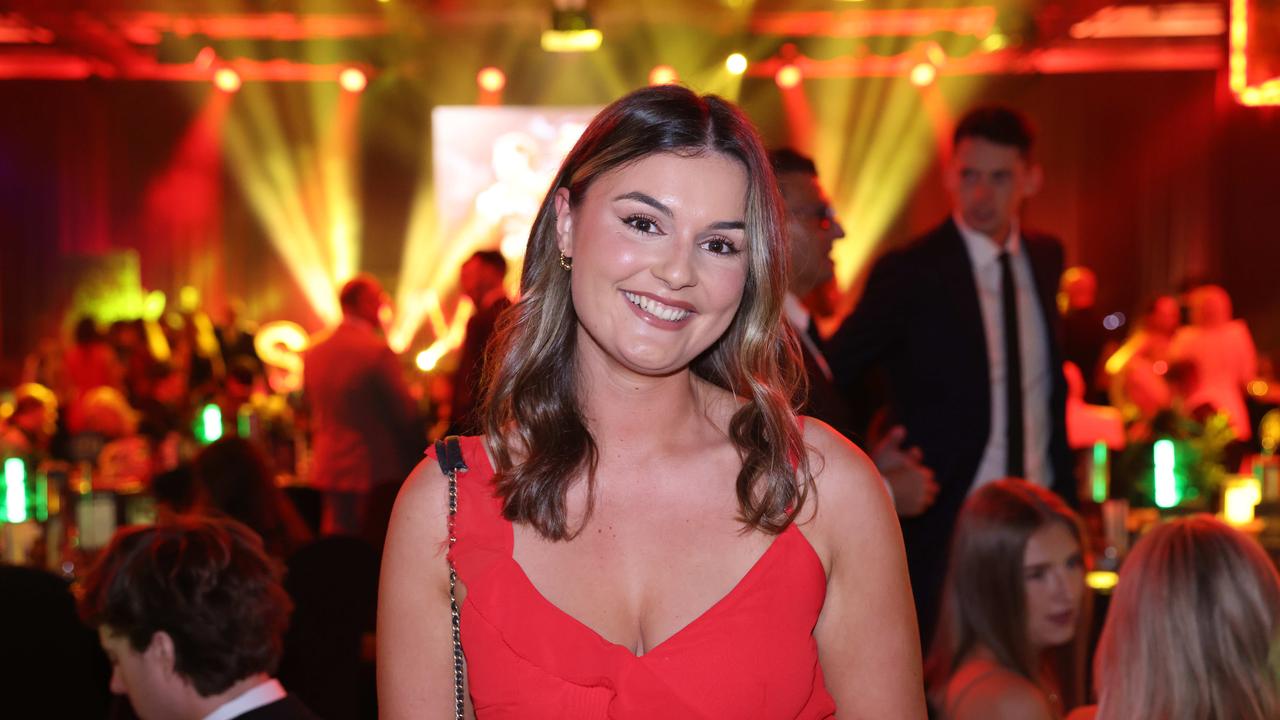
(751, 655)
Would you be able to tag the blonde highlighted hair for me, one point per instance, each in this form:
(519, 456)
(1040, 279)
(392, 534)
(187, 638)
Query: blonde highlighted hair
(1193, 628)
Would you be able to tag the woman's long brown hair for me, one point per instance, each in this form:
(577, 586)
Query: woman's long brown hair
(531, 411)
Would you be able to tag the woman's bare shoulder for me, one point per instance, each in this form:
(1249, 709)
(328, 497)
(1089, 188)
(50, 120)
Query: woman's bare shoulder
(843, 474)
(421, 505)
(996, 693)
(850, 507)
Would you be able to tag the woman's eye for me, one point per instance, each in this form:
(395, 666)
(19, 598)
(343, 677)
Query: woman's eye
(720, 246)
(645, 225)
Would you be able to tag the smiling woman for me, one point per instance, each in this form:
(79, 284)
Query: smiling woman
(637, 535)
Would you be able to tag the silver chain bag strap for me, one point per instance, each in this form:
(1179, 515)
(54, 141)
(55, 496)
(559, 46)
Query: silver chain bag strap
(449, 454)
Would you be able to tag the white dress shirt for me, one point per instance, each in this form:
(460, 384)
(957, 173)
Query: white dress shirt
(255, 697)
(1037, 380)
(798, 315)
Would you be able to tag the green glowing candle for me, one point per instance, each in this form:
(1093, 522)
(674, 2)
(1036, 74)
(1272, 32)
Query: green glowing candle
(210, 423)
(15, 490)
(1165, 459)
(1100, 474)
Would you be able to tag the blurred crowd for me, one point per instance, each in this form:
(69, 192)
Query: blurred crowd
(1185, 359)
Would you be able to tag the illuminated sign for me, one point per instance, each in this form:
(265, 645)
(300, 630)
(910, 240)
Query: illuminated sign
(1255, 52)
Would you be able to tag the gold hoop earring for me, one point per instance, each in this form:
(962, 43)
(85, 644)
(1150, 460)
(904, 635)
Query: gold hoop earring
(566, 262)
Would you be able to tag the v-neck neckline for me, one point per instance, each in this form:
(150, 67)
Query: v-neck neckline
(699, 619)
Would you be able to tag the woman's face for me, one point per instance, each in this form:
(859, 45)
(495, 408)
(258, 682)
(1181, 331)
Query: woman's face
(659, 258)
(1053, 574)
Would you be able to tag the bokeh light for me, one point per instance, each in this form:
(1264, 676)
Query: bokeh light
(491, 79)
(923, 74)
(226, 80)
(352, 80)
(663, 75)
(788, 76)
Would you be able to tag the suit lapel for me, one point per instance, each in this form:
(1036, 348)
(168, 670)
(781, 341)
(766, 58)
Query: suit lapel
(1043, 269)
(955, 269)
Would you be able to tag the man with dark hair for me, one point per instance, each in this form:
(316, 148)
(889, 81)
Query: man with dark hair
(963, 324)
(812, 229)
(192, 616)
(481, 280)
(362, 416)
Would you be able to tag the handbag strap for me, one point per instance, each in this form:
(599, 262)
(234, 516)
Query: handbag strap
(449, 455)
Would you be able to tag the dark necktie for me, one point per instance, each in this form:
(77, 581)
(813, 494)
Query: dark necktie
(815, 348)
(1013, 368)
(812, 331)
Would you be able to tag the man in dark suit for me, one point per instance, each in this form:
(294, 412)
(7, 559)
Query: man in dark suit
(481, 280)
(363, 420)
(812, 229)
(962, 324)
(192, 616)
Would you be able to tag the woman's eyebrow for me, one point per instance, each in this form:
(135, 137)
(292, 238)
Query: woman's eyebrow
(657, 205)
(651, 202)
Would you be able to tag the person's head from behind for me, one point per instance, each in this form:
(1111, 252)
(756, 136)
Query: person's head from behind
(105, 411)
(186, 613)
(991, 170)
(1015, 585)
(481, 274)
(86, 331)
(125, 335)
(1193, 628)
(1079, 288)
(167, 385)
(658, 249)
(35, 410)
(812, 227)
(234, 479)
(1163, 315)
(1209, 306)
(362, 297)
(241, 376)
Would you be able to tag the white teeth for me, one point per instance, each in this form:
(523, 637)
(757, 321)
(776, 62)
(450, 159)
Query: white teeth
(657, 309)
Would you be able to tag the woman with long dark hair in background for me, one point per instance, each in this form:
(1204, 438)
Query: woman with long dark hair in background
(1010, 643)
